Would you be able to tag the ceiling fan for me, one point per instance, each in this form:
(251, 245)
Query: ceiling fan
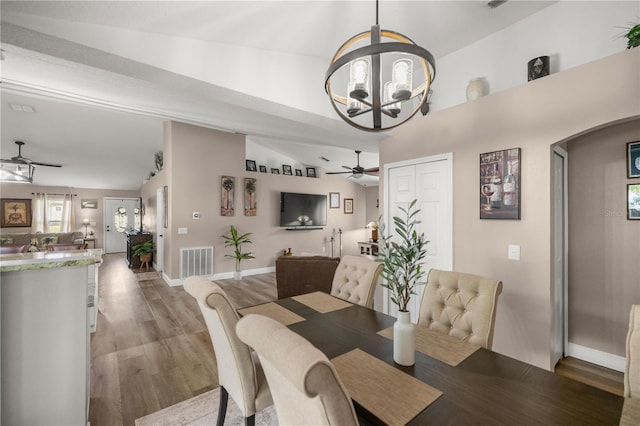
(19, 159)
(357, 171)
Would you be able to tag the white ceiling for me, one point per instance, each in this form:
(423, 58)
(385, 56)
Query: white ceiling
(99, 113)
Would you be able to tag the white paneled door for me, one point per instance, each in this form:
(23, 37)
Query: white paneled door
(119, 217)
(429, 180)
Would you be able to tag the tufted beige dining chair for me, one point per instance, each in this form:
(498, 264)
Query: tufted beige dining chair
(239, 372)
(355, 280)
(305, 386)
(632, 367)
(460, 305)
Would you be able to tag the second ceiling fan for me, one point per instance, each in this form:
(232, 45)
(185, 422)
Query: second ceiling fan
(358, 170)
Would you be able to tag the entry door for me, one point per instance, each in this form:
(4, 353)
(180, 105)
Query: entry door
(119, 217)
(429, 180)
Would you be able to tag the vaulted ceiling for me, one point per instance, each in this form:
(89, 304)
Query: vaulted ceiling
(103, 76)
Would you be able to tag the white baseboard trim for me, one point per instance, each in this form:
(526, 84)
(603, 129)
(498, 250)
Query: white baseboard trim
(594, 356)
(220, 276)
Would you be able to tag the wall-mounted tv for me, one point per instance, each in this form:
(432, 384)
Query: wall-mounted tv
(303, 211)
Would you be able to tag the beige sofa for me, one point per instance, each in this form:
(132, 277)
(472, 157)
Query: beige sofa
(42, 239)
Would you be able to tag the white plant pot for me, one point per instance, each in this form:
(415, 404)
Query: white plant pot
(404, 340)
(237, 275)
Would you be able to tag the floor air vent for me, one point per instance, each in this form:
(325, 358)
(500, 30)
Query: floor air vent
(196, 261)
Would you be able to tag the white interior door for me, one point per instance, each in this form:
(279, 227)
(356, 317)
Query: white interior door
(119, 217)
(560, 270)
(430, 181)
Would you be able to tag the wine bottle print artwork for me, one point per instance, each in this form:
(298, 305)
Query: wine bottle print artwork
(500, 184)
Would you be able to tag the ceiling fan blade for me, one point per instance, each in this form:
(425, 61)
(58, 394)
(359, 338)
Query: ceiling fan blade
(338, 173)
(371, 173)
(348, 168)
(45, 164)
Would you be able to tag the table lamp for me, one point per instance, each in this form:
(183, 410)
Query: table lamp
(373, 225)
(86, 224)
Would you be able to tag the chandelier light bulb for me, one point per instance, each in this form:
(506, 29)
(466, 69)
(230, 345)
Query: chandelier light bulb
(402, 78)
(388, 96)
(359, 78)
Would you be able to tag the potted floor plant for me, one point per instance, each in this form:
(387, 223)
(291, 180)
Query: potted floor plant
(401, 254)
(236, 240)
(143, 251)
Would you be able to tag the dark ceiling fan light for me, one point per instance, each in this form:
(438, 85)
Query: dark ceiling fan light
(363, 82)
(357, 171)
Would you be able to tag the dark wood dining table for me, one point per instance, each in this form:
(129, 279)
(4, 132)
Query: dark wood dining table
(487, 388)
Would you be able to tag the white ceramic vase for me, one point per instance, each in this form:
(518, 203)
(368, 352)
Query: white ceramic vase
(475, 89)
(404, 340)
(237, 275)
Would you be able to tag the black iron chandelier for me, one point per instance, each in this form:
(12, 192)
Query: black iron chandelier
(390, 103)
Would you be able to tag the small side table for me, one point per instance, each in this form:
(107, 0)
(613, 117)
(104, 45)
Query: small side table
(89, 240)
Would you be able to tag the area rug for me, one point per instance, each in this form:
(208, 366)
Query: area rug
(146, 276)
(203, 410)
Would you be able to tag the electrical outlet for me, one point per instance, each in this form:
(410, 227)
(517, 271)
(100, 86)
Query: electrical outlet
(183, 230)
(513, 252)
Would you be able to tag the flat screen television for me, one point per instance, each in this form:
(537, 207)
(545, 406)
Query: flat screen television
(303, 211)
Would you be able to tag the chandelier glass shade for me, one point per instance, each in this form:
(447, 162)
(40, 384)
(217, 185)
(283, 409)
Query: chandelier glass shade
(379, 79)
(16, 172)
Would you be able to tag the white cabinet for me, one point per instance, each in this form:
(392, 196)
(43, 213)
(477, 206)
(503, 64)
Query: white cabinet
(45, 352)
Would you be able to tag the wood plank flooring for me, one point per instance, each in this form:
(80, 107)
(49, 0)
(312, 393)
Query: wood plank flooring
(152, 349)
(591, 374)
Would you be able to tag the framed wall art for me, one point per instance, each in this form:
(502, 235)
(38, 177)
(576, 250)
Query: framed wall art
(298, 172)
(16, 212)
(286, 170)
(275, 171)
(334, 200)
(228, 187)
(251, 166)
(633, 159)
(499, 188)
(89, 204)
(348, 205)
(165, 203)
(633, 201)
(263, 169)
(250, 189)
(311, 172)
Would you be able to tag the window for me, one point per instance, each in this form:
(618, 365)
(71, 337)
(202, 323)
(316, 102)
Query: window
(121, 219)
(54, 214)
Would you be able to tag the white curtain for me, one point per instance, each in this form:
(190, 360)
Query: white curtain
(41, 212)
(67, 213)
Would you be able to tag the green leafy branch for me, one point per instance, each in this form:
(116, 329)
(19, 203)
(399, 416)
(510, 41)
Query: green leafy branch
(401, 256)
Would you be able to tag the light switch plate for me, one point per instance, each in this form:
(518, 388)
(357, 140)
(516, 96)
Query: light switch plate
(514, 252)
(182, 230)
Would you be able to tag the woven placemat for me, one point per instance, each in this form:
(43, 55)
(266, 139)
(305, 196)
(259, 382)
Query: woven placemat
(387, 392)
(437, 345)
(630, 412)
(273, 311)
(322, 302)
